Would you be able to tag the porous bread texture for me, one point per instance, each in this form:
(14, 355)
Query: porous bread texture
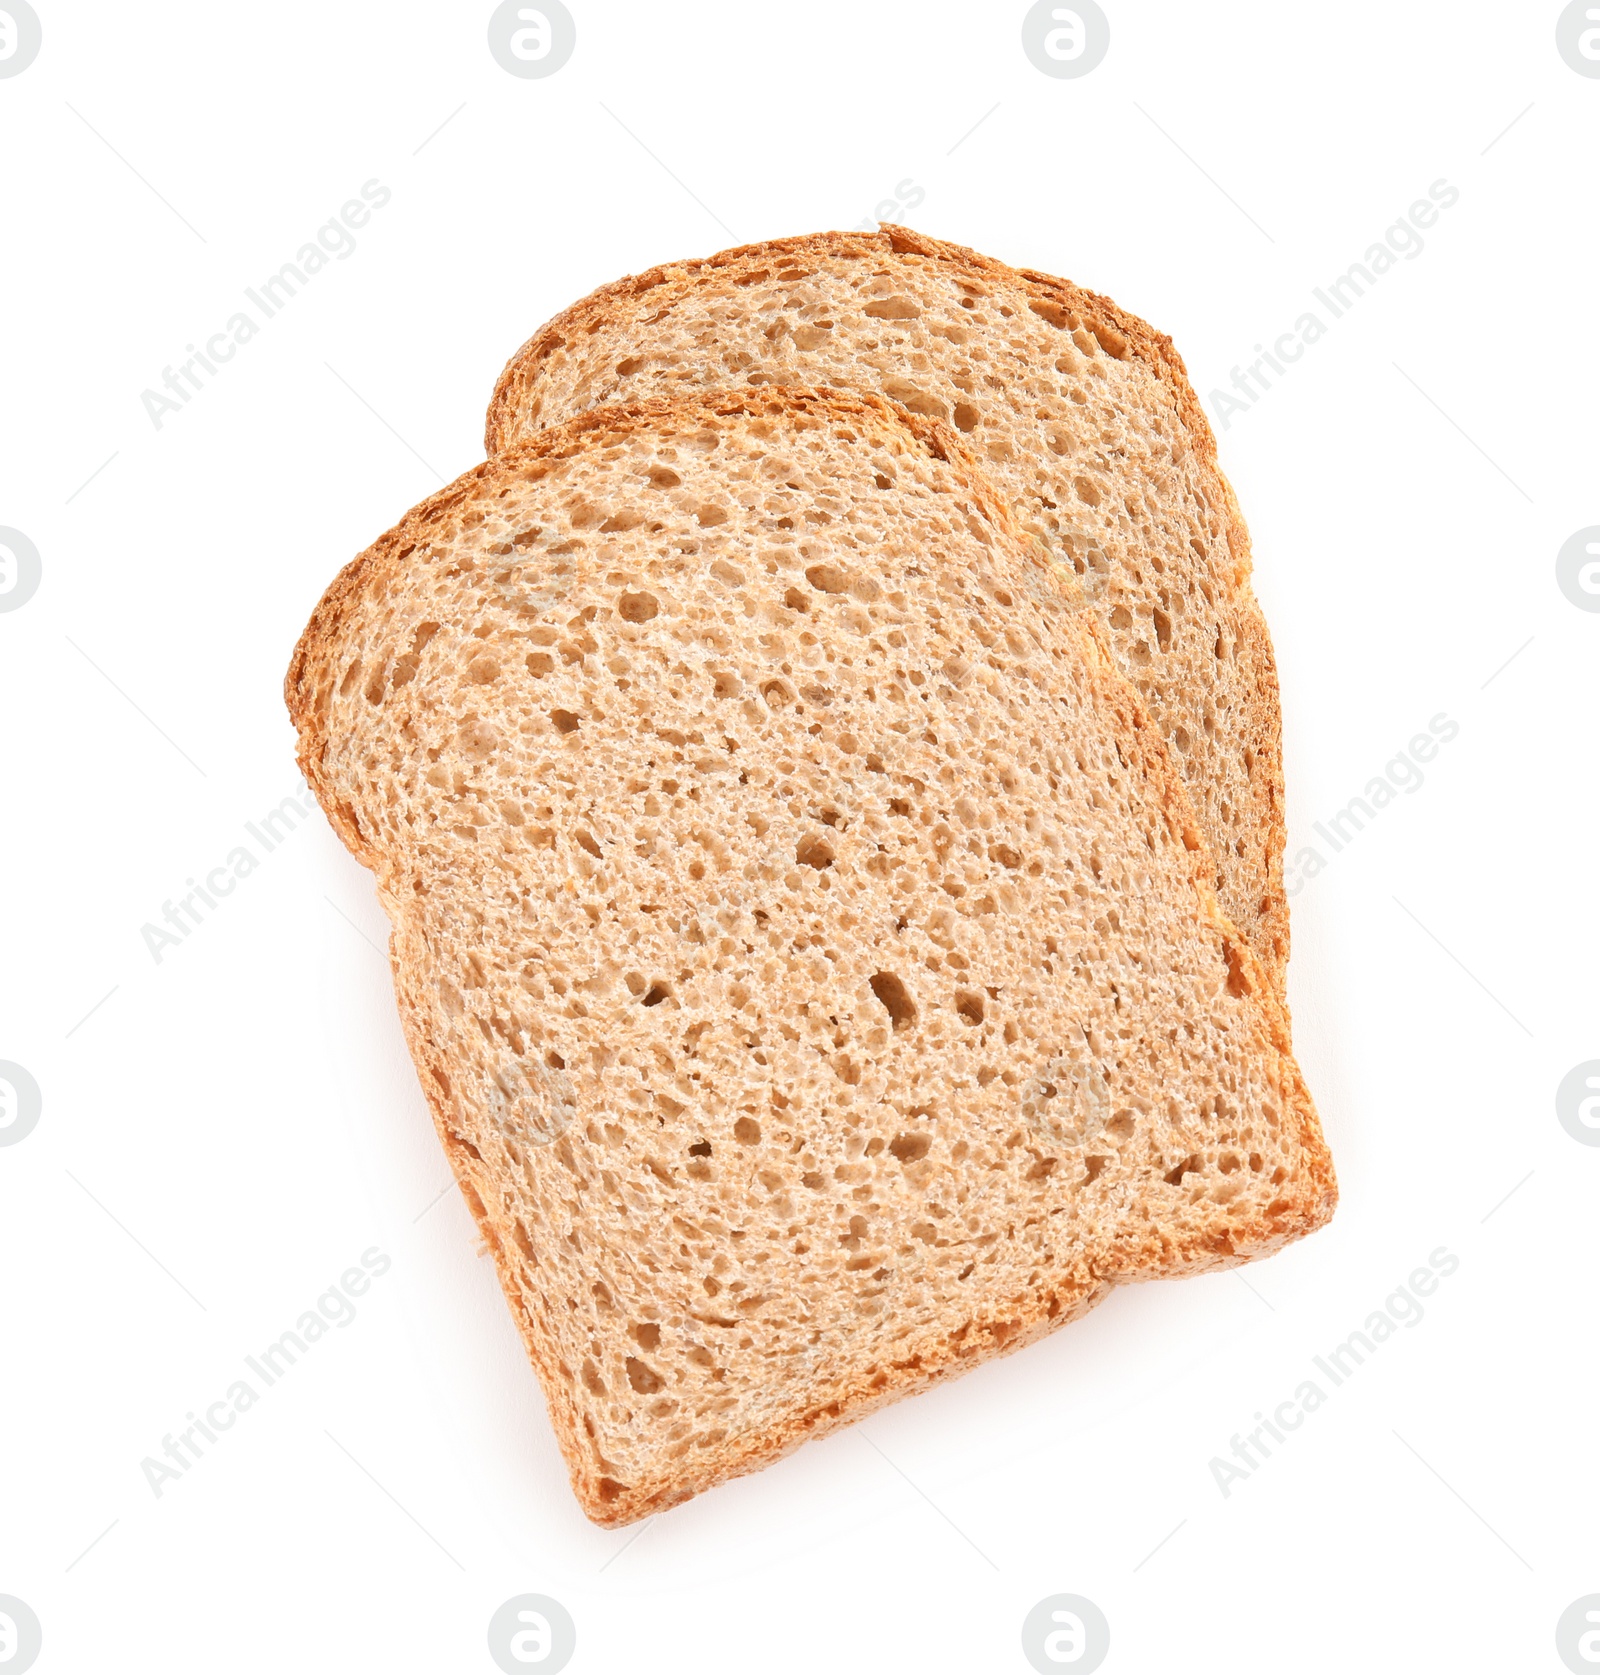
(802, 939)
(1082, 414)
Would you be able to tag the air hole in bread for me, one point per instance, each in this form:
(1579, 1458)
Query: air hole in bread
(646, 1380)
(969, 1007)
(909, 1147)
(747, 1131)
(814, 851)
(828, 578)
(895, 999)
(565, 721)
(655, 994)
(638, 607)
(1111, 340)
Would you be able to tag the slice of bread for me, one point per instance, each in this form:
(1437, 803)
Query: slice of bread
(1083, 416)
(804, 943)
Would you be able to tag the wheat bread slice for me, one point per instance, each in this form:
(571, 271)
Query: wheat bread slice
(1082, 414)
(804, 943)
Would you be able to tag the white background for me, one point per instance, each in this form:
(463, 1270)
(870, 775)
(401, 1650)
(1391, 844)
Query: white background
(229, 1129)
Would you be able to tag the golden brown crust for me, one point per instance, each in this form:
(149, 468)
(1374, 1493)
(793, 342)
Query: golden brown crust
(1146, 1253)
(1119, 334)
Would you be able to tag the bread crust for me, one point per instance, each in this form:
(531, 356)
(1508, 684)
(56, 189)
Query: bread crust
(1147, 1251)
(1119, 333)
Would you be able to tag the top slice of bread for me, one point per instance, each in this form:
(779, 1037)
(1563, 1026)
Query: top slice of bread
(803, 941)
(1081, 413)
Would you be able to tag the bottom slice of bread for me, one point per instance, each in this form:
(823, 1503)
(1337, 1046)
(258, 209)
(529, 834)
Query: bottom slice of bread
(803, 940)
